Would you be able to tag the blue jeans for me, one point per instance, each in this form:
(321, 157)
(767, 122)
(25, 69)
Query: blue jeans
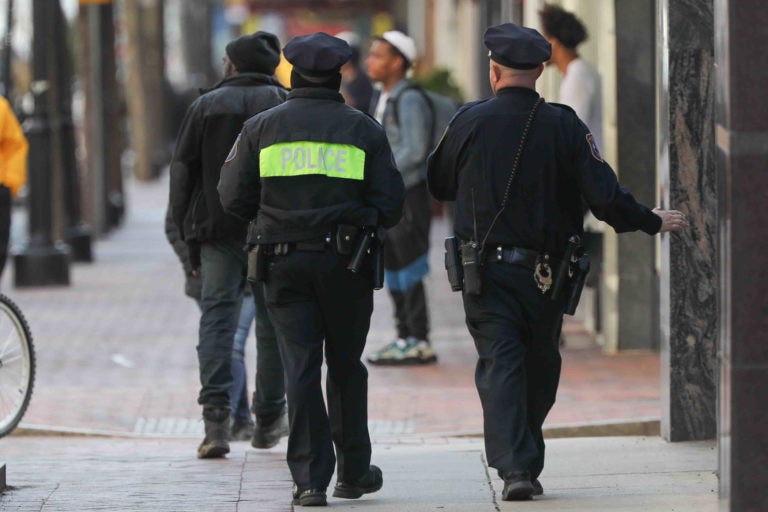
(238, 393)
(223, 266)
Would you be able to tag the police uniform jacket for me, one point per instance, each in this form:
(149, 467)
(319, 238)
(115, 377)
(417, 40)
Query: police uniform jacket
(308, 165)
(210, 127)
(560, 164)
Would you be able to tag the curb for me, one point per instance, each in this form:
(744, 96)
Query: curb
(622, 427)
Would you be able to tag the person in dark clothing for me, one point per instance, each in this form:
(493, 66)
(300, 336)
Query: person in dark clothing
(307, 170)
(515, 212)
(356, 87)
(215, 239)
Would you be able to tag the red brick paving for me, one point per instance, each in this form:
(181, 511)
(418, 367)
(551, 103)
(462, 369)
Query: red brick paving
(119, 345)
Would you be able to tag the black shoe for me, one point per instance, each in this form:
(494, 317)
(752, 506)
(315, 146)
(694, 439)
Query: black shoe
(216, 441)
(366, 484)
(538, 490)
(309, 497)
(517, 486)
(241, 429)
(267, 434)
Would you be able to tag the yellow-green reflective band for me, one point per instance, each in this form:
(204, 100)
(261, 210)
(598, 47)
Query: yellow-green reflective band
(305, 157)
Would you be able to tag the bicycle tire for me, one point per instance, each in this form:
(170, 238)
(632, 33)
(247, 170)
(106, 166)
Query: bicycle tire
(10, 420)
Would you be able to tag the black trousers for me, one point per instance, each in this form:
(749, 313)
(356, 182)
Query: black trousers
(312, 298)
(5, 224)
(516, 331)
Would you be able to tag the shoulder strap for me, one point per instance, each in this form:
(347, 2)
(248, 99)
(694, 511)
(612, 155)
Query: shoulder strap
(515, 167)
(394, 102)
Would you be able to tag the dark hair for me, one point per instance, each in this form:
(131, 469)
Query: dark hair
(563, 26)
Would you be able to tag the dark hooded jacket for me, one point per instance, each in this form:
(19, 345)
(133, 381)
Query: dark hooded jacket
(207, 135)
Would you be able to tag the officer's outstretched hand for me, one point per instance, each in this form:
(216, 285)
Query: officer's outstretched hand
(671, 220)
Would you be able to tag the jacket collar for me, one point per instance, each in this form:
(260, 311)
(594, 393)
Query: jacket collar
(524, 91)
(245, 80)
(318, 93)
(400, 87)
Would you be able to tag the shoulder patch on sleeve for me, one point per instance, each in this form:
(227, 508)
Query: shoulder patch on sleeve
(233, 152)
(593, 147)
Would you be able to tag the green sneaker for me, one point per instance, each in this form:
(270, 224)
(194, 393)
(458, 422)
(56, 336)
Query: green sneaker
(403, 352)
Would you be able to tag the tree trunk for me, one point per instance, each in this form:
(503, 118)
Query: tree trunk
(145, 86)
(196, 48)
(104, 200)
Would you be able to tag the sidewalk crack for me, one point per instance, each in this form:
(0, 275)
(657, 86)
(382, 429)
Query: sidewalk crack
(45, 500)
(489, 481)
(240, 489)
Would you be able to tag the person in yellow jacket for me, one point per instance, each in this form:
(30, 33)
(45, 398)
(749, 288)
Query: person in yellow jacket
(13, 170)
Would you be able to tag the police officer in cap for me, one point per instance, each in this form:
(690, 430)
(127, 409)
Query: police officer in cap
(309, 171)
(516, 209)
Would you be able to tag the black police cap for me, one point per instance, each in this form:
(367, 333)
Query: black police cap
(259, 52)
(516, 47)
(318, 54)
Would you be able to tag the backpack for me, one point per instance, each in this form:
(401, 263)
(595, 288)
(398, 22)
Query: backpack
(442, 107)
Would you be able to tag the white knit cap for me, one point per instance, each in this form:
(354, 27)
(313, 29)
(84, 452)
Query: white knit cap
(403, 43)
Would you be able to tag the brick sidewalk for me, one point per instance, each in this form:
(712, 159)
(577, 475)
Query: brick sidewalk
(116, 350)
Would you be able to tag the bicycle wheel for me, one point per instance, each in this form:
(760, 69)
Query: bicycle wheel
(17, 365)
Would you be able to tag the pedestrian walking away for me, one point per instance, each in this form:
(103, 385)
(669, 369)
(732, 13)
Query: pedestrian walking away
(318, 175)
(407, 118)
(518, 225)
(13, 171)
(215, 240)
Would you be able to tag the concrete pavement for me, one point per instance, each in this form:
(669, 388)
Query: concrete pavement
(116, 358)
(57, 474)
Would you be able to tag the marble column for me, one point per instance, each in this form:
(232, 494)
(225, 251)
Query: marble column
(689, 273)
(742, 149)
(636, 126)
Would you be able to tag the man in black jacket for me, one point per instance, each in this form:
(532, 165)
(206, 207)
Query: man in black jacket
(215, 238)
(307, 169)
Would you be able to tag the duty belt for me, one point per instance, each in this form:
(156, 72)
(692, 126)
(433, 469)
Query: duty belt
(312, 245)
(517, 256)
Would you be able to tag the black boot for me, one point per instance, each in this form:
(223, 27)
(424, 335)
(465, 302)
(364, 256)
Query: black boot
(268, 432)
(216, 441)
(517, 486)
(370, 482)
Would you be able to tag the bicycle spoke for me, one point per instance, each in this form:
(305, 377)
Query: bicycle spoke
(17, 368)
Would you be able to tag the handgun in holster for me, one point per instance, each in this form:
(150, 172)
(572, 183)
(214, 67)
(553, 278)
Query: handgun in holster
(370, 241)
(565, 270)
(580, 271)
(571, 274)
(257, 264)
(453, 264)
